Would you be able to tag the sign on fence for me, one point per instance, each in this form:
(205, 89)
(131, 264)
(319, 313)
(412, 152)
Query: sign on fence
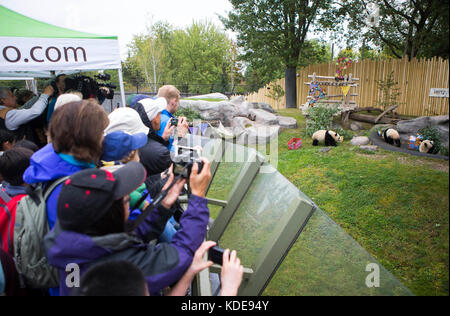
(439, 93)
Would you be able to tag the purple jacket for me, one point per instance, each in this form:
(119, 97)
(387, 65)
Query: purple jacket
(162, 265)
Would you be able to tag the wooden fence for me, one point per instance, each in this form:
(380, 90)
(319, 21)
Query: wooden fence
(415, 79)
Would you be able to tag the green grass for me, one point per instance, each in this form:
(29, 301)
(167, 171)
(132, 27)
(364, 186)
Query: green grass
(394, 205)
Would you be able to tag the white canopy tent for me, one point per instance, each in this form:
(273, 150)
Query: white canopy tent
(34, 49)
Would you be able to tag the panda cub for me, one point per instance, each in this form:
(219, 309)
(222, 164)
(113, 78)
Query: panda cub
(391, 136)
(330, 138)
(426, 146)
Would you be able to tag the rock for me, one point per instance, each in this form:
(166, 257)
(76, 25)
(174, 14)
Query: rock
(249, 132)
(381, 127)
(240, 124)
(265, 107)
(356, 126)
(241, 111)
(360, 140)
(237, 101)
(369, 147)
(262, 117)
(286, 122)
(250, 105)
(211, 96)
(223, 111)
(258, 134)
(258, 105)
(324, 150)
(411, 127)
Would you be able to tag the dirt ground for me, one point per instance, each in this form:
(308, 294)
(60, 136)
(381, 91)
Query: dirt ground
(436, 164)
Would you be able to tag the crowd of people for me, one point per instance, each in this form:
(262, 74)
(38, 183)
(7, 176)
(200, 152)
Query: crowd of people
(89, 201)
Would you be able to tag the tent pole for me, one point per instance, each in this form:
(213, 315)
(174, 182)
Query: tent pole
(122, 89)
(34, 84)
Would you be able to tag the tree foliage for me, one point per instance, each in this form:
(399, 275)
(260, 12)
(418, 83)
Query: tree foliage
(197, 59)
(273, 33)
(410, 28)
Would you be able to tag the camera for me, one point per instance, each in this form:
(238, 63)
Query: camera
(89, 87)
(174, 122)
(104, 77)
(185, 159)
(215, 254)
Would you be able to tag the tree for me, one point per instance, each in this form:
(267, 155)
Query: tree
(275, 28)
(389, 92)
(413, 28)
(148, 52)
(198, 58)
(132, 73)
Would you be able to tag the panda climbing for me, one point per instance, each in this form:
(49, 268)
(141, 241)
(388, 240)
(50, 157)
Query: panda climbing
(390, 136)
(329, 138)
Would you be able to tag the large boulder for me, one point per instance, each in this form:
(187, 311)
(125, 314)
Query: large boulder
(258, 105)
(258, 134)
(266, 107)
(286, 122)
(223, 111)
(411, 127)
(250, 133)
(360, 140)
(237, 101)
(262, 117)
(211, 96)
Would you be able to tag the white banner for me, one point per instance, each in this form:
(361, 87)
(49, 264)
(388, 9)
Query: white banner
(439, 92)
(38, 54)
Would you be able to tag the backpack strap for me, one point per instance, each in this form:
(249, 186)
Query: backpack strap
(53, 186)
(4, 196)
(33, 192)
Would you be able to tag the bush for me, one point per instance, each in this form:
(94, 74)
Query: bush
(348, 135)
(432, 133)
(320, 117)
(191, 115)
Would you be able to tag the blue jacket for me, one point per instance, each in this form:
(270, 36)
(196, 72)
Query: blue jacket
(46, 165)
(162, 265)
(166, 116)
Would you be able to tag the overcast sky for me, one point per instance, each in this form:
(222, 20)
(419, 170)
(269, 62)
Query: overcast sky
(121, 18)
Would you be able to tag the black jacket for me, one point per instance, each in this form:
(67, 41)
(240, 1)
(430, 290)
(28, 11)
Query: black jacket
(155, 156)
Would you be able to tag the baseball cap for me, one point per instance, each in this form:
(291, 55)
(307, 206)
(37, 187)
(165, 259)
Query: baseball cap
(126, 120)
(137, 98)
(66, 98)
(89, 194)
(153, 107)
(117, 145)
(130, 97)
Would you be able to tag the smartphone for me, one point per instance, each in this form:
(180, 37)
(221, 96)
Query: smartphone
(215, 254)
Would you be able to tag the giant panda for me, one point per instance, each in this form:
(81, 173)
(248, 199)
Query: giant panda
(391, 136)
(330, 138)
(427, 146)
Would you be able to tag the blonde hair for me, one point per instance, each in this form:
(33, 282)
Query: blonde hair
(132, 156)
(169, 92)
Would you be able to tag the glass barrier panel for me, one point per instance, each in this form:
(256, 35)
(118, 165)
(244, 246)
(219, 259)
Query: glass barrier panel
(267, 200)
(325, 260)
(229, 169)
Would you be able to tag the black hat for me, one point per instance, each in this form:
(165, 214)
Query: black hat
(87, 195)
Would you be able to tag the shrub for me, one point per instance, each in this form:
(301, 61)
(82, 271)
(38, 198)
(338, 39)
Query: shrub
(432, 133)
(348, 135)
(191, 115)
(320, 117)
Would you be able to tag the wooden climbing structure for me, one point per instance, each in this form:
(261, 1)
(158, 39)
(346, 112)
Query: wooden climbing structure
(344, 100)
